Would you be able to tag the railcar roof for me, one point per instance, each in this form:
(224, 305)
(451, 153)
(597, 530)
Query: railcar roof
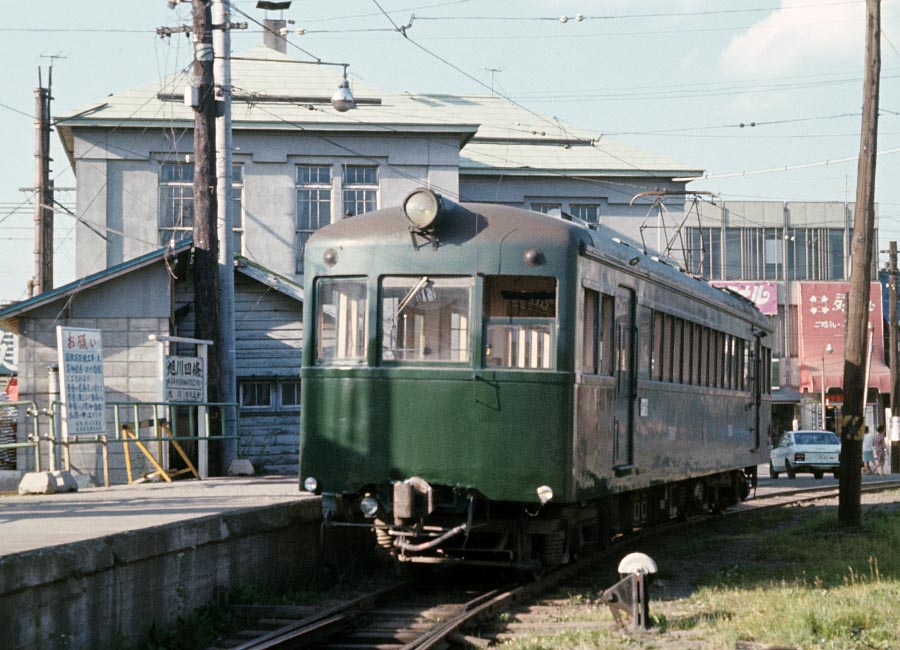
(483, 222)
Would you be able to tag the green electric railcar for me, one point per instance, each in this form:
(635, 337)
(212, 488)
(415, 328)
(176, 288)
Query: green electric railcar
(487, 384)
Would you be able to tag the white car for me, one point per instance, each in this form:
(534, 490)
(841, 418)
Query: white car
(806, 451)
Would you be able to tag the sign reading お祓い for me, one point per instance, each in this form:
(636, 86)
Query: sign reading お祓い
(82, 389)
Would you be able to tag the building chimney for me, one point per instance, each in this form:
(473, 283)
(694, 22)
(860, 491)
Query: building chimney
(272, 35)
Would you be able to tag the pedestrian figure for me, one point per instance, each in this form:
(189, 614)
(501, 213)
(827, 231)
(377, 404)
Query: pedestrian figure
(868, 452)
(880, 451)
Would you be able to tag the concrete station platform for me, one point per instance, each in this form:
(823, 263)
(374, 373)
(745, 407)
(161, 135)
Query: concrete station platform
(97, 568)
(39, 521)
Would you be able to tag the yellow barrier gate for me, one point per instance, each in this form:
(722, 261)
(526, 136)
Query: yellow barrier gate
(129, 436)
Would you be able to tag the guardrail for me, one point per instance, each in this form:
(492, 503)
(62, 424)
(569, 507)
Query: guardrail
(33, 440)
(129, 419)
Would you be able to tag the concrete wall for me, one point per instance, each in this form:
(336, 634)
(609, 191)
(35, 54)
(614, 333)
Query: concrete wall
(107, 593)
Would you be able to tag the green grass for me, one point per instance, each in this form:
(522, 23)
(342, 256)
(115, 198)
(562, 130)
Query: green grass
(788, 578)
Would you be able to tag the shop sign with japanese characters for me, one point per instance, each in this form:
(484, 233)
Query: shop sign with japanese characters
(82, 389)
(184, 379)
(762, 294)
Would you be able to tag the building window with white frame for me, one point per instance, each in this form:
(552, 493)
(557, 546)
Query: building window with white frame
(360, 188)
(313, 204)
(176, 202)
(546, 208)
(587, 212)
(277, 394)
(256, 395)
(237, 207)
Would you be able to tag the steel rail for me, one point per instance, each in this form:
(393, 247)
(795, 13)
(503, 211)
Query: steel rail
(321, 623)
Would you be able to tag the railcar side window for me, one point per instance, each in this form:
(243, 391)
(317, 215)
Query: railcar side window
(607, 334)
(591, 332)
(520, 322)
(341, 320)
(425, 319)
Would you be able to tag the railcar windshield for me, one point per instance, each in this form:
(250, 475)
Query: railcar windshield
(520, 322)
(425, 319)
(341, 320)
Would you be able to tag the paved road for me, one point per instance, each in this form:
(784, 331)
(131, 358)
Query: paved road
(806, 480)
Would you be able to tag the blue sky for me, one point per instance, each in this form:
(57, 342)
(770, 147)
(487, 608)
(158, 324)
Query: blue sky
(676, 77)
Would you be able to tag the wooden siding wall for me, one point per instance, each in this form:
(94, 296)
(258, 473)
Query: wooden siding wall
(268, 339)
(268, 336)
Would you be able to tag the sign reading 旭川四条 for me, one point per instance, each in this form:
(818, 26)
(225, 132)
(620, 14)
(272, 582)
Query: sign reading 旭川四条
(81, 384)
(183, 379)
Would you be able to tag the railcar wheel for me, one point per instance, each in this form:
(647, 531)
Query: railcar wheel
(791, 472)
(817, 475)
(836, 474)
(773, 473)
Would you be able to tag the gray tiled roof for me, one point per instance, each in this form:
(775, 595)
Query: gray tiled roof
(273, 91)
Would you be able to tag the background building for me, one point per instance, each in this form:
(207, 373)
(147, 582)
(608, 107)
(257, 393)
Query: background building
(793, 259)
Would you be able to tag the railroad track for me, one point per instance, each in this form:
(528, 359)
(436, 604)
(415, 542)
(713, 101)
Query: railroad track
(411, 616)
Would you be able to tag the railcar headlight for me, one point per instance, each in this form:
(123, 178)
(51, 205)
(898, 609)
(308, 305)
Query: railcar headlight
(422, 208)
(311, 484)
(545, 493)
(369, 506)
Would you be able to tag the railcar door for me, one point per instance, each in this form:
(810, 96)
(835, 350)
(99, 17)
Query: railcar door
(626, 378)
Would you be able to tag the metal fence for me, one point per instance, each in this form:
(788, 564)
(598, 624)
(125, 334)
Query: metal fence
(154, 429)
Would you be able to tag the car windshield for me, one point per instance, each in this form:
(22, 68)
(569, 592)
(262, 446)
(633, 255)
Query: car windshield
(816, 438)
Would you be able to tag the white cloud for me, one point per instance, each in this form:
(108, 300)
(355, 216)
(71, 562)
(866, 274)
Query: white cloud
(796, 38)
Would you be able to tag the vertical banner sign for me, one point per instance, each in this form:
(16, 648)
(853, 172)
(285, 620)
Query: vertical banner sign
(822, 315)
(82, 388)
(8, 363)
(183, 379)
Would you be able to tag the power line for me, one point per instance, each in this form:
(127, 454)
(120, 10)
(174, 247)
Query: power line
(642, 16)
(785, 168)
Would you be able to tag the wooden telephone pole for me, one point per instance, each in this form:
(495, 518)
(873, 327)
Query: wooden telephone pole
(856, 344)
(43, 189)
(205, 262)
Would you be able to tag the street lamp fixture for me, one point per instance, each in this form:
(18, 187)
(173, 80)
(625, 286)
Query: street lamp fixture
(828, 350)
(342, 100)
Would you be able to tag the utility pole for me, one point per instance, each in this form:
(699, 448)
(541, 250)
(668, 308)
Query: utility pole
(894, 355)
(855, 348)
(43, 188)
(225, 345)
(205, 262)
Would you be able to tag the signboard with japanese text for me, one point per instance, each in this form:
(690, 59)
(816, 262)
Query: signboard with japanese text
(81, 385)
(762, 294)
(822, 315)
(8, 360)
(184, 379)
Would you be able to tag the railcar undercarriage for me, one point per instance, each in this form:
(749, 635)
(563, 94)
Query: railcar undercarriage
(419, 523)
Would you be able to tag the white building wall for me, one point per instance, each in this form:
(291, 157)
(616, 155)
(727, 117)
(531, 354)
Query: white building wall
(118, 185)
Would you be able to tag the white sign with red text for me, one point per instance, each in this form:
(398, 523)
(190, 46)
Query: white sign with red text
(81, 385)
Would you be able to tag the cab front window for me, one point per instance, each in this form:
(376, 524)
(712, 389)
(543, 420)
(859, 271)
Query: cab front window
(341, 320)
(519, 322)
(425, 319)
